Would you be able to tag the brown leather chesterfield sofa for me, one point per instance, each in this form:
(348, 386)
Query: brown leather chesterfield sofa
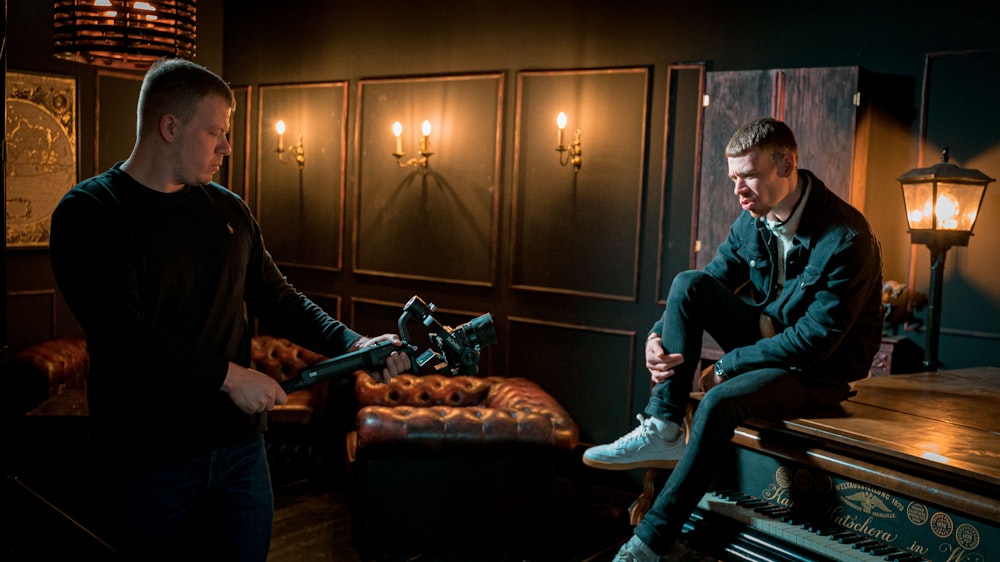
(454, 465)
(436, 464)
(59, 366)
(49, 380)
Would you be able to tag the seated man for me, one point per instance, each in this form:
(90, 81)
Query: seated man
(810, 324)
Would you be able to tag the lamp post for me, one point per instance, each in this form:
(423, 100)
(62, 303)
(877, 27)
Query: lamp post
(942, 204)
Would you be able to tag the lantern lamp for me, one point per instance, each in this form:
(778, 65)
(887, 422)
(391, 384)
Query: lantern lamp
(942, 204)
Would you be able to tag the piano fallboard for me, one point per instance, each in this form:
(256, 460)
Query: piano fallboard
(909, 468)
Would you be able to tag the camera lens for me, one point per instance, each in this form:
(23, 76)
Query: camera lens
(481, 330)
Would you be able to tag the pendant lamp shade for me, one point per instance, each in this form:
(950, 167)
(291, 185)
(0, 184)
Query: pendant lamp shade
(124, 33)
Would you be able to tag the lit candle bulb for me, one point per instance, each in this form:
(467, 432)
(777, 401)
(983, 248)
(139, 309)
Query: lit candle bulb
(425, 128)
(280, 128)
(397, 130)
(561, 123)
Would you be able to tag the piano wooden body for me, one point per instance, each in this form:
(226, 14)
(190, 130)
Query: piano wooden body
(908, 469)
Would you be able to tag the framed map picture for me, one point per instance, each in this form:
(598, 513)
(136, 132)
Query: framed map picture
(41, 153)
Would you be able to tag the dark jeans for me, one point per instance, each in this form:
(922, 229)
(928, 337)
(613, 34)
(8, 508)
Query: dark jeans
(698, 303)
(217, 506)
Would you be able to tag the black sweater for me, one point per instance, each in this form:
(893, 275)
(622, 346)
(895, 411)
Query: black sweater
(163, 285)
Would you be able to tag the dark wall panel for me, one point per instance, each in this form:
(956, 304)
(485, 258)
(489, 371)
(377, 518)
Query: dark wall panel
(301, 207)
(734, 99)
(236, 168)
(438, 221)
(587, 369)
(31, 317)
(117, 94)
(681, 160)
(578, 233)
(960, 114)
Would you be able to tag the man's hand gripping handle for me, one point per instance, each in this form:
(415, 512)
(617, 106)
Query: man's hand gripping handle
(371, 358)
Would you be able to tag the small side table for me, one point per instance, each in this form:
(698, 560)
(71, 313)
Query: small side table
(897, 355)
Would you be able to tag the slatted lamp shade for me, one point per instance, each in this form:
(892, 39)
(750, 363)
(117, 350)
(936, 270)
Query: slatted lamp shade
(124, 33)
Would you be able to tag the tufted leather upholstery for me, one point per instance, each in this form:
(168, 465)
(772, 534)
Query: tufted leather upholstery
(454, 464)
(47, 368)
(439, 411)
(53, 373)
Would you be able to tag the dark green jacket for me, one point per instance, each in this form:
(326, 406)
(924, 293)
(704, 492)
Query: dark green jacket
(828, 317)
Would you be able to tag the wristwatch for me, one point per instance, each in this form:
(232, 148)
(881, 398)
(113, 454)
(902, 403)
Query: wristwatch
(720, 372)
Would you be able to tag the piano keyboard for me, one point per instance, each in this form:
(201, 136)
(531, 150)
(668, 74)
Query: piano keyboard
(821, 538)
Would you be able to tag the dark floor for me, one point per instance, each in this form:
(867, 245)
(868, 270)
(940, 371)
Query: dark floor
(313, 519)
(313, 522)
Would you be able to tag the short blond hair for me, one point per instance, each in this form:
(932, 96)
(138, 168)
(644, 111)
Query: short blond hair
(175, 86)
(768, 134)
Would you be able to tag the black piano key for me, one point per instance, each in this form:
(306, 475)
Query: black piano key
(774, 511)
(852, 539)
(908, 557)
(793, 519)
(840, 534)
(768, 509)
(880, 550)
(828, 531)
(865, 544)
(732, 495)
(812, 524)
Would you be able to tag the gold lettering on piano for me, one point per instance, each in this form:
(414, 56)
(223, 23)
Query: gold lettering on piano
(917, 548)
(917, 513)
(960, 554)
(778, 495)
(868, 500)
(852, 522)
(942, 525)
(783, 476)
(967, 536)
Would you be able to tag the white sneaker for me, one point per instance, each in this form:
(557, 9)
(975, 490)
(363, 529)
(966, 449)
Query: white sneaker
(636, 551)
(643, 447)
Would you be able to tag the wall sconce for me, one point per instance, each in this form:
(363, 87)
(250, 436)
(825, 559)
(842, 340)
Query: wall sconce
(297, 150)
(421, 160)
(942, 204)
(120, 34)
(572, 153)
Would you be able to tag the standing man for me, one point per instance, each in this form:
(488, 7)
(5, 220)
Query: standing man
(163, 268)
(792, 296)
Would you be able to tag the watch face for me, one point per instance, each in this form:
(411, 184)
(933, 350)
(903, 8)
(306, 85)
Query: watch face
(719, 372)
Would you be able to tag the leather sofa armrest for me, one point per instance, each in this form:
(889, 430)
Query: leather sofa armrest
(42, 370)
(282, 359)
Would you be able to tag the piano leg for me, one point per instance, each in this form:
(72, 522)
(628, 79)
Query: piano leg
(649, 490)
(653, 478)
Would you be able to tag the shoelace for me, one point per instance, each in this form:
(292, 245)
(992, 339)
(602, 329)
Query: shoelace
(629, 557)
(639, 433)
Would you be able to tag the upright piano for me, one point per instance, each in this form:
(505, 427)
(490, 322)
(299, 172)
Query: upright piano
(908, 469)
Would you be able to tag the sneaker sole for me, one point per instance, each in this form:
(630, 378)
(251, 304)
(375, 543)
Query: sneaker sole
(653, 463)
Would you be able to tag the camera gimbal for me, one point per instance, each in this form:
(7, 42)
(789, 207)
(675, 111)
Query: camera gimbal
(459, 349)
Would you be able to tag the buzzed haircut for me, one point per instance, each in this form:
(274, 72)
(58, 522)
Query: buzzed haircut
(175, 86)
(768, 134)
